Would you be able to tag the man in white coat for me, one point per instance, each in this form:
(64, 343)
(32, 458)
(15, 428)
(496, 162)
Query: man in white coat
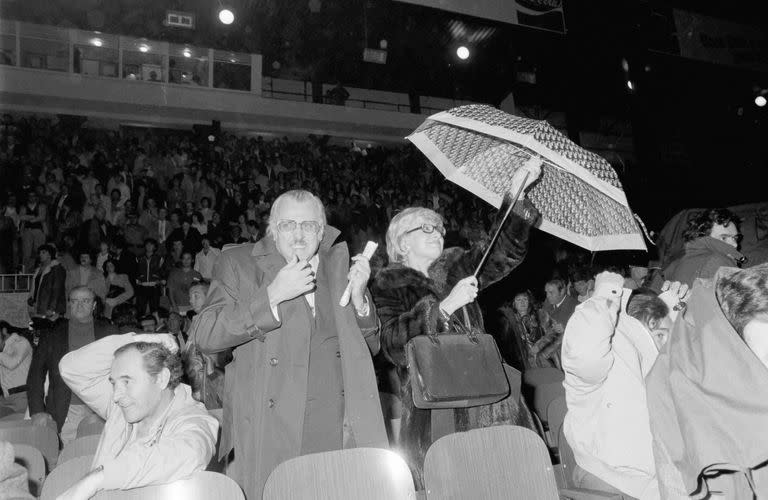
(610, 344)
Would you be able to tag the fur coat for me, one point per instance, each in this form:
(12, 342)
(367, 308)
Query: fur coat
(407, 302)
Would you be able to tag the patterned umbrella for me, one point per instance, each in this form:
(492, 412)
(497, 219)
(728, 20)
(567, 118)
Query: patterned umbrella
(578, 194)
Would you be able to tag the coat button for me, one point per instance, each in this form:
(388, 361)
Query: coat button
(271, 403)
(338, 354)
(273, 361)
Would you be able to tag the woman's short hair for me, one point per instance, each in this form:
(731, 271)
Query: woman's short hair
(405, 221)
(156, 356)
(701, 224)
(297, 195)
(48, 248)
(743, 296)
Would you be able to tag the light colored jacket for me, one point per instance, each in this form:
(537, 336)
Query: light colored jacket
(266, 384)
(181, 443)
(607, 423)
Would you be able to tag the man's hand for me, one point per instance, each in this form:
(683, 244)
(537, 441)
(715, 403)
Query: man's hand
(42, 419)
(166, 339)
(358, 277)
(558, 327)
(675, 295)
(294, 279)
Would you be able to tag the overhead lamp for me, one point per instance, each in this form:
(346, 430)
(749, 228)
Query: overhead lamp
(97, 42)
(630, 85)
(226, 16)
(760, 101)
(187, 53)
(462, 53)
(144, 48)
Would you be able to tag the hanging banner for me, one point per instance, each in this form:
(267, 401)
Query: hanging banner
(720, 41)
(540, 14)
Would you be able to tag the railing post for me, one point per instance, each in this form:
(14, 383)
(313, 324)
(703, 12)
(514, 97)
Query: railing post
(120, 57)
(18, 43)
(210, 68)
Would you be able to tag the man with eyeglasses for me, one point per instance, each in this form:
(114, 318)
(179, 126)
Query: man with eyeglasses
(711, 241)
(302, 380)
(67, 334)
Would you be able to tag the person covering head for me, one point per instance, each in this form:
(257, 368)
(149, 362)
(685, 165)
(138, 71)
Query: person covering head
(610, 344)
(708, 393)
(155, 432)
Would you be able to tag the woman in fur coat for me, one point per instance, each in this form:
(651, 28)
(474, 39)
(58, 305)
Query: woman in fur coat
(422, 287)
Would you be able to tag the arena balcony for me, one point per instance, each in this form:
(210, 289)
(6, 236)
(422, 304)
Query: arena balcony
(46, 69)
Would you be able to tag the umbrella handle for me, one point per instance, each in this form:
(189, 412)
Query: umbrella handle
(496, 234)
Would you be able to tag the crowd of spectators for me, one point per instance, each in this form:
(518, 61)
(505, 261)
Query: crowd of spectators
(151, 200)
(126, 227)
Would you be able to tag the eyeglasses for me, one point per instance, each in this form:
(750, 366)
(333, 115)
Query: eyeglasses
(428, 229)
(81, 301)
(307, 226)
(735, 238)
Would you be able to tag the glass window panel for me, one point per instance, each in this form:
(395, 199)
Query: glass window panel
(95, 61)
(188, 66)
(142, 66)
(44, 54)
(8, 49)
(231, 76)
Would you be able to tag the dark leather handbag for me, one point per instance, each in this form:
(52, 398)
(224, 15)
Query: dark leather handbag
(457, 369)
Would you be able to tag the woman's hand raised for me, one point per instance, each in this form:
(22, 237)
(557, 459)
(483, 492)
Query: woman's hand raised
(463, 293)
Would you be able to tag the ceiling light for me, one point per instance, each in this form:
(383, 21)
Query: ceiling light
(760, 101)
(462, 52)
(187, 53)
(144, 48)
(630, 85)
(96, 42)
(226, 16)
(383, 44)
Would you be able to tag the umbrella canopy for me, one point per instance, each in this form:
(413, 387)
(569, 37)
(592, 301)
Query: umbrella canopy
(578, 194)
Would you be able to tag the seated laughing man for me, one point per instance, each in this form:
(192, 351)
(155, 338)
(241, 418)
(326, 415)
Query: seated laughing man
(155, 432)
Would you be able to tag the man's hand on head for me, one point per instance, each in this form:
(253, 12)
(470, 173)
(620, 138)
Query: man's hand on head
(166, 339)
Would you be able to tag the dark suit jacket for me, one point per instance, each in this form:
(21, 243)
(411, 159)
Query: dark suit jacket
(51, 347)
(193, 241)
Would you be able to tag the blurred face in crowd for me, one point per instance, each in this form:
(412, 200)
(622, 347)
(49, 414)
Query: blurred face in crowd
(100, 213)
(135, 391)
(103, 247)
(178, 246)
(728, 234)
(114, 196)
(81, 305)
(110, 267)
(521, 303)
(162, 213)
(583, 287)
(174, 323)
(756, 337)
(298, 229)
(197, 298)
(554, 294)
(186, 260)
(424, 240)
(44, 257)
(85, 259)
